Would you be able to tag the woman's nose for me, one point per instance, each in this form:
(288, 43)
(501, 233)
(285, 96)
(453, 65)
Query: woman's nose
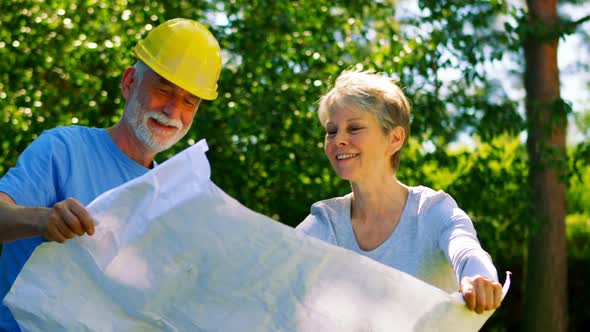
(341, 138)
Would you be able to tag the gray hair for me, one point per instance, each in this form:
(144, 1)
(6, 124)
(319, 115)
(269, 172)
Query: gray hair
(140, 68)
(374, 93)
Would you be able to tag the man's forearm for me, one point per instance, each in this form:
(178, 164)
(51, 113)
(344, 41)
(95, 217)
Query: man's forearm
(18, 222)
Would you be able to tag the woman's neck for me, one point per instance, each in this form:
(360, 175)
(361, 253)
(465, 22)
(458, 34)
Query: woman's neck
(376, 211)
(377, 201)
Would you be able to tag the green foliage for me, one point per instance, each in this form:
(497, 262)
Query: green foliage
(62, 63)
(463, 36)
(578, 234)
(59, 68)
(264, 130)
(489, 183)
(578, 195)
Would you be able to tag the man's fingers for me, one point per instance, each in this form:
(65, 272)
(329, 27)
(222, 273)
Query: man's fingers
(67, 219)
(83, 217)
(62, 228)
(75, 216)
(73, 223)
(52, 234)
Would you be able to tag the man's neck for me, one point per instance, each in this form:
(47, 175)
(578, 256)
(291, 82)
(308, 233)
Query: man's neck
(124, 138)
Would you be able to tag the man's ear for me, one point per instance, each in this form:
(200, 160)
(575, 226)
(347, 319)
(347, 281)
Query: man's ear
(396, 137)
(127, 82)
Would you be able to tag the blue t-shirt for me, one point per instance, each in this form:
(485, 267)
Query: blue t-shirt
(76, 161)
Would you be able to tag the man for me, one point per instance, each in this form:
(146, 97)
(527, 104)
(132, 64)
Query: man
(43, 196)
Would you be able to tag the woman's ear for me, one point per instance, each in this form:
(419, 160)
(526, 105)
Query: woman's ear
(396, 138)
(127, 82)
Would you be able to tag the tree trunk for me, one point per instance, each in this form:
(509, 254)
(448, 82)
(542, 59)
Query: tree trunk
(545, 302)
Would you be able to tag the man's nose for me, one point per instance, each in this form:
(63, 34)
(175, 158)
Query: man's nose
(172, 107)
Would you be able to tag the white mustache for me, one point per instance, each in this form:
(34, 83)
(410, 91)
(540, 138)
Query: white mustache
(163, 119)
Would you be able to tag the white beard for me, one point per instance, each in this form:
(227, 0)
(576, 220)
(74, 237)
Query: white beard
(138, 117)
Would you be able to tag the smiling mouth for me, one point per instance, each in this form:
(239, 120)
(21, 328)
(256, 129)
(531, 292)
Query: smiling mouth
(162, 125)
(346, 156)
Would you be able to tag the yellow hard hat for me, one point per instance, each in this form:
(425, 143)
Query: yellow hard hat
(185, 53)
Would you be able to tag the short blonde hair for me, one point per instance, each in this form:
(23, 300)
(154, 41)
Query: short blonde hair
(374, 93)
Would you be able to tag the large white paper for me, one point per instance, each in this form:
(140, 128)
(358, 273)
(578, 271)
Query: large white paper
(173, 252)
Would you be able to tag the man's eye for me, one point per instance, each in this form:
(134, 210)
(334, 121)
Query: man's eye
(163, 90)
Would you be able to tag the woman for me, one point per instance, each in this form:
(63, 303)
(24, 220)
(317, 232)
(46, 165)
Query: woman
(413, 229)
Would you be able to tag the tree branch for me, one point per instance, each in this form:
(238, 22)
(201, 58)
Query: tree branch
(581, 21)
(570, 26)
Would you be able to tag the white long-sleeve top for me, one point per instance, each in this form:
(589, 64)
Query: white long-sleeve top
(435, 240)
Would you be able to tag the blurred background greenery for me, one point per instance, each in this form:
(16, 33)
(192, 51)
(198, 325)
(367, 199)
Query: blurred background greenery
(62, 63)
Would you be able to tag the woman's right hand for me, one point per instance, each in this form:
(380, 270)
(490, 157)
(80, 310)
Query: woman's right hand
(481, 293)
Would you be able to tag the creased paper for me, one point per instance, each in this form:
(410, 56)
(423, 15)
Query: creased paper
(173, 252)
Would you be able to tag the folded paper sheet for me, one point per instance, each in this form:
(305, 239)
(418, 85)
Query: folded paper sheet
(173, 252)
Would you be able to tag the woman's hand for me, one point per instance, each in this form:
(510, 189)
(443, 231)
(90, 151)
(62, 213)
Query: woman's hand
(481, 293)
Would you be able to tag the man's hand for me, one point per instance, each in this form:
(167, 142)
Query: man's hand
(67, 219)
(481, 293)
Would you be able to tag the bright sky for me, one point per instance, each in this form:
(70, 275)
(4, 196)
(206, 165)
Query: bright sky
(575, 84)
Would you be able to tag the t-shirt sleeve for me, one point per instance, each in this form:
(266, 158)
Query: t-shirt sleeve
(33, 181)
(458, 240)
(317, 224)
